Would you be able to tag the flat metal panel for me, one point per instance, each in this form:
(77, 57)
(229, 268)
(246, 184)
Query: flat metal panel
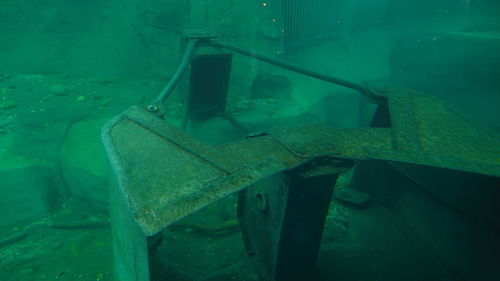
(208, 85)
(164, 175)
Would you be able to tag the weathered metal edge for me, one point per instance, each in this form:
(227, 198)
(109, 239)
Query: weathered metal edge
(157, 219)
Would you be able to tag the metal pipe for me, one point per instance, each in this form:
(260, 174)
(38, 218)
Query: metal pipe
(188, 54)
(341, 82)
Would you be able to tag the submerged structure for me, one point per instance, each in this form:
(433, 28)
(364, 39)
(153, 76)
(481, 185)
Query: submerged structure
(285, 177)
(302, 140)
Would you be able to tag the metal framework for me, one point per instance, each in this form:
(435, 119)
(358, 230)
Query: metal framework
(307, 22)
(163, 175)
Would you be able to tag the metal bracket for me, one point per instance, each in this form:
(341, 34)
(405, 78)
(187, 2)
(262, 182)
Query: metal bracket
(283, 219)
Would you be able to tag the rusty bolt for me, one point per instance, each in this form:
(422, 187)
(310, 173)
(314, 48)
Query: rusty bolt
(152, 108)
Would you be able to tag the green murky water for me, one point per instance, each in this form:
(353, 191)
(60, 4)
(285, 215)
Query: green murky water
(67, 67)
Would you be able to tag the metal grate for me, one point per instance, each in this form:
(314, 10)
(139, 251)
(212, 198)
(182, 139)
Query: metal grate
(307, 22)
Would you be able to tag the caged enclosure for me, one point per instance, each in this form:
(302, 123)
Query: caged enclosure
(278, 140)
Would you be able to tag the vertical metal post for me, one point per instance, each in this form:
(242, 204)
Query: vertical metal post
(283, 219)
(307, 204)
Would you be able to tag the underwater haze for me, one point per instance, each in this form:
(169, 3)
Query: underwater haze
(407, 94)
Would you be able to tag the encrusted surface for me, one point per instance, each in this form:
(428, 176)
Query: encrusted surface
(166, 175)
(424, 131)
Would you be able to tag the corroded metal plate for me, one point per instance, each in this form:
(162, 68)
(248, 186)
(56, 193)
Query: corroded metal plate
(424, 131)
(165, 175)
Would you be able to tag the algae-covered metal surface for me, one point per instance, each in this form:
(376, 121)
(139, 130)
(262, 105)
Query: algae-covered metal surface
(165, 175)
(424, 131)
